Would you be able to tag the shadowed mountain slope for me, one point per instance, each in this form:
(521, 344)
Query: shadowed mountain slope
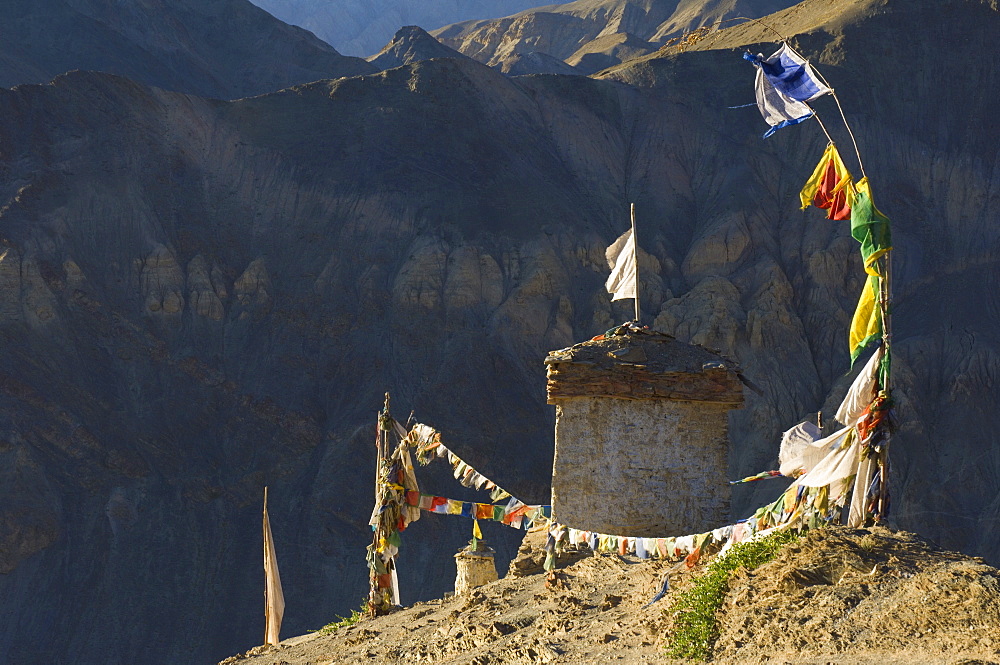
(204, 297)
(213, 48)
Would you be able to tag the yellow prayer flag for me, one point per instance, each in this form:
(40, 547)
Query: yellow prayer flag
(867, 321)
(476, 533)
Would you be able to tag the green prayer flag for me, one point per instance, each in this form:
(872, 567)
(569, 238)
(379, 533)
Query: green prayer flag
(869, 227)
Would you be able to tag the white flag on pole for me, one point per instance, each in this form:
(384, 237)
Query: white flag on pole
(274, 599)
(621, 258)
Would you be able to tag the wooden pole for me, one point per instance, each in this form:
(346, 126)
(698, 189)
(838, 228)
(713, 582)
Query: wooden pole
(374, 595)
(377, 595)
(635, 258)
(883, 458)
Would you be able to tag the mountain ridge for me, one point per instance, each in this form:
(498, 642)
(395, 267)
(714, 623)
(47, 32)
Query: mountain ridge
(568, 31)
(362, 28)
(219, 48)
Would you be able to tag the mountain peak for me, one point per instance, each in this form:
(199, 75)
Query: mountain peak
(411, 44)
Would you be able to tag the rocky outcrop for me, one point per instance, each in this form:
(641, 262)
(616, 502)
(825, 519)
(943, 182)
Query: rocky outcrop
(411, 44)
(201, 298)
(212, 48)
(535, 62)
(607, 51)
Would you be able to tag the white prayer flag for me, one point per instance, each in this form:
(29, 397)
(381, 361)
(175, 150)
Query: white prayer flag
(622, 283)
(274, 599)
(778, 110)
(862, 391)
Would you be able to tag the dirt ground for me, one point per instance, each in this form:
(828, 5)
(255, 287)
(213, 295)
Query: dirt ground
(838, 596)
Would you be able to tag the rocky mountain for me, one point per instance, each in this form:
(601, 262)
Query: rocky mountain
(594, 34)
(212, 48)
(200, 298)
(411, 44)
(362, 27)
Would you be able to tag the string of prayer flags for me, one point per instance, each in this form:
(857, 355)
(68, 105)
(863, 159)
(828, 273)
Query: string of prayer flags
(830, 186)
(515, 514)
(427, 441)
(763, 475)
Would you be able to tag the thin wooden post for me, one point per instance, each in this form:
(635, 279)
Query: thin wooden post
(635, 258)
(883, 458)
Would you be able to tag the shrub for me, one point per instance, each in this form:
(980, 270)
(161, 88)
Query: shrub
(695, 626)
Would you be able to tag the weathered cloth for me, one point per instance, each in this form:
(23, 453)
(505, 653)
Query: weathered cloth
(621, 259)
(861, 392)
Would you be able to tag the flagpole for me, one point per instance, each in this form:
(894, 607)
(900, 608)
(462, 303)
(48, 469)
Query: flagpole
(267, 599)
(883, 459)
(635, 257)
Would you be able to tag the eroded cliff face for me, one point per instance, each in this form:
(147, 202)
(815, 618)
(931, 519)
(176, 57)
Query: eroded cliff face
(201, 298)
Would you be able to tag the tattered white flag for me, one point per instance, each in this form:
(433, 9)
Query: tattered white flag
(622, 283)
(274, 599)
(785, 81)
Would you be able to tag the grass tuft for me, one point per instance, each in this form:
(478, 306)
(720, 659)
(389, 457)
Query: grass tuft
(696, 627)
(343, 622)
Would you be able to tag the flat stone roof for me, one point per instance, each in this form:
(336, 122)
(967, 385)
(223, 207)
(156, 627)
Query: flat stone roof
(638, 363)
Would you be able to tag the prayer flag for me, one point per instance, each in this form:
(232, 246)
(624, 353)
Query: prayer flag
(274, 599)
(791, 75)
(778, 110)
(866, 325)
(869, 227)
(621, 259)
(830, 186)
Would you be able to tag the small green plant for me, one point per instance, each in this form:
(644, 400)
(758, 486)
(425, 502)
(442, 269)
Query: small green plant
(343, 622)
(695, 625)
(868, 542)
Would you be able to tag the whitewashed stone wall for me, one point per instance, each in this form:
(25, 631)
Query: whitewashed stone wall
(641, 467)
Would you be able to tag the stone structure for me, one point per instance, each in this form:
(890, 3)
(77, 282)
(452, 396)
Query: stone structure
(641, 434)
(476, 567)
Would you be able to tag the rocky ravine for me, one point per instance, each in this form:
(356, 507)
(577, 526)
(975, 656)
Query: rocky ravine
(203, 297)
(839, 596)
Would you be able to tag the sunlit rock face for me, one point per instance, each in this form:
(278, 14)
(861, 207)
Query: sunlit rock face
(204, 297)
(592, 35)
